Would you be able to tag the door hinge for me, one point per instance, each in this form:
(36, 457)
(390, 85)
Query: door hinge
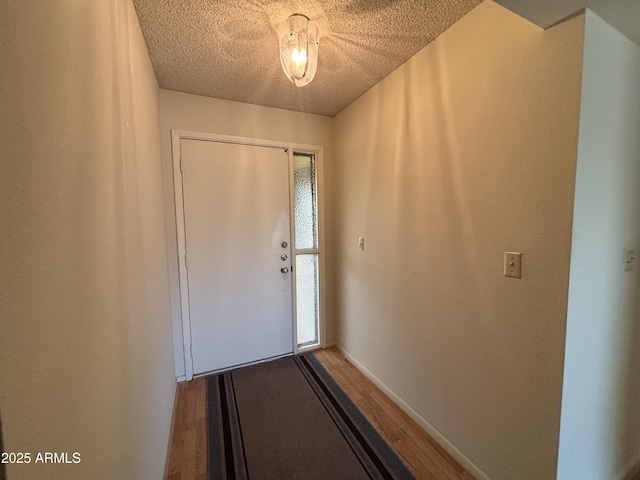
(181, 171)
(186, 265)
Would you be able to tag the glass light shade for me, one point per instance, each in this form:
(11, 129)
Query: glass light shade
(298, 38)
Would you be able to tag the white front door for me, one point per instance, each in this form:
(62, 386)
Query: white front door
(237, 229)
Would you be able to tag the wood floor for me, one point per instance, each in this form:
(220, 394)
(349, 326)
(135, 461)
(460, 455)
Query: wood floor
(188, 451)
(420, 452)
(427, 460)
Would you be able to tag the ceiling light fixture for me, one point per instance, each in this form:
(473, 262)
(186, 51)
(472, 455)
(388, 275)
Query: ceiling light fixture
(298, 38)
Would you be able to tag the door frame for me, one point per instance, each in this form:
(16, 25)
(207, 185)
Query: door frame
(290, 147)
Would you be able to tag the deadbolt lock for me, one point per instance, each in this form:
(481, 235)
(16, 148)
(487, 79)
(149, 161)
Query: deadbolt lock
(284, 244)
(283, 257)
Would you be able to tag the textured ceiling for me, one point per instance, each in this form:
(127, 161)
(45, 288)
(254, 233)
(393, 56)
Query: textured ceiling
(229, 49)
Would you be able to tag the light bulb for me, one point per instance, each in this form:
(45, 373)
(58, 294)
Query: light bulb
(299, 57)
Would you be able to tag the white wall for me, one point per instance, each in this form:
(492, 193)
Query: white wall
(85, 329)
(182, 111)
(600, 430)
(466, 151)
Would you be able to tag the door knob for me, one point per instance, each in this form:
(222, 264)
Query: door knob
(283, 257)
(284, 270)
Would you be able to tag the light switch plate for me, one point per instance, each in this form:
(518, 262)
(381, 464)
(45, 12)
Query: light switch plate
(513, 264)
(361, 243)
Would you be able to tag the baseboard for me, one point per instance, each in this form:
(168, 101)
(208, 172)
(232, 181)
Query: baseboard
(171, 426)
(330, 344)
(181, 378)
(426, 426)
(632, 469)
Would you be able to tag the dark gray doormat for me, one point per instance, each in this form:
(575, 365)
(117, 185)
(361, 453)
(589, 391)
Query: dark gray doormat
(289, 420)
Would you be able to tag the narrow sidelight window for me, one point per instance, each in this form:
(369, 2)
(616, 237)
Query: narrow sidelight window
(306, 249)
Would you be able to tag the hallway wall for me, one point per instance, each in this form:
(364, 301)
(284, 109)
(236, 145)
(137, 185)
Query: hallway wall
(600, 429)
(466, 151)
(85, 331)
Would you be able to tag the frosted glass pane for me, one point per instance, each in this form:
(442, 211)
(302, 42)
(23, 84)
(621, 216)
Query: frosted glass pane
(304, 180)
(307, 299)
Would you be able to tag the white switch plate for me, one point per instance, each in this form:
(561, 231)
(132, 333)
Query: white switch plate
(361, 243)
(512, 264)
(628, 257)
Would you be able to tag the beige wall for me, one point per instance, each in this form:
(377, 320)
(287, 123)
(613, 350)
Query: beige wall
(466, 151)
(182, 111)
(600, 433)
(85, 329)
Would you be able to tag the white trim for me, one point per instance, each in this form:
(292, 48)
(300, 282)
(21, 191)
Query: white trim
(322, 317)
(292, 256)
(440, 439)
(258, 142)
(180, 237)
(176, 137)
(309, 348)
(181, 378)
